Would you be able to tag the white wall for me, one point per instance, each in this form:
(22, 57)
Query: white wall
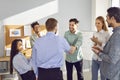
(99, 8)
(33, 14)
(64, 9)
(12, 7)
(80, 9)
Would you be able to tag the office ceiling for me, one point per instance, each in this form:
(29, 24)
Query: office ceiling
(11, 7)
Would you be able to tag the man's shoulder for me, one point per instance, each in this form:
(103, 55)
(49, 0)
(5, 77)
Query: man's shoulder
(67, 32)
(60, 38)
(79, 33)
(33, 35)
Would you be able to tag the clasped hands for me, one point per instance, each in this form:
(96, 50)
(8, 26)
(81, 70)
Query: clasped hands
(72, 50)
(94, 39)
(95, 49)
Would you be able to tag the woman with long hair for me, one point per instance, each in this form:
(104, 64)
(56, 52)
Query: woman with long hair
(19, 62)
(100, 37)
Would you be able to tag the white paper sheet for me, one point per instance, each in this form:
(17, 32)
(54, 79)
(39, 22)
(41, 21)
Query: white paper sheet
(27, 30)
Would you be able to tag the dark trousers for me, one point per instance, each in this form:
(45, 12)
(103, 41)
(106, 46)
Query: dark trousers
(78, 65)
(50, 74)
(28, 76)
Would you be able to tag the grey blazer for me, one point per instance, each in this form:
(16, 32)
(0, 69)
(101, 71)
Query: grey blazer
(110, 66)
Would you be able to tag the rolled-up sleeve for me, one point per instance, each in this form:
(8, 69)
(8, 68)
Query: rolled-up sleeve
(33, 60)
(79, 40)
(113, 55)
(66, 46)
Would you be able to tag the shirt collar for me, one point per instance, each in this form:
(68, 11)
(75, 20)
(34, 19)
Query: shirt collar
(75, 32)
(20, 53)
(36, 35)
(115, 29)
(101, 31)
(50, 33)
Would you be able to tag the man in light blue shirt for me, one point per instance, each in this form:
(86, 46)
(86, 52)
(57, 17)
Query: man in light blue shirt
(47, 53)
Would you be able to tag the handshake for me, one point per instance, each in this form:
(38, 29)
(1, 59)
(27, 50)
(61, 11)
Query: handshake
(72, 49)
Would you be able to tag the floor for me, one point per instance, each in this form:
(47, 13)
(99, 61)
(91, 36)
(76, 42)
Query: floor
(86, 73)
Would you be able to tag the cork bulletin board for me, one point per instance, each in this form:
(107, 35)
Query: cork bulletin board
(13, 32)
(17, 32)
(9, 38)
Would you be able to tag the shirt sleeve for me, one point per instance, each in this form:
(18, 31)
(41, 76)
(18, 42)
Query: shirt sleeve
(65, 35)
(79, 40)
(106, 39)
(33, 60)
(23, 65)
(66, 46)
(31, 41)
(113, 55)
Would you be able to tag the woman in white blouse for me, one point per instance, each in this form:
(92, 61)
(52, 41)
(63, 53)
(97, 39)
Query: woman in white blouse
(99, 39)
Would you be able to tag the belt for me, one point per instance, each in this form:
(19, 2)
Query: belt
(48, 68)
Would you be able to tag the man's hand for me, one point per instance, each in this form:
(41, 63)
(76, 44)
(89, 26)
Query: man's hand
(96, 50)
(72, 50)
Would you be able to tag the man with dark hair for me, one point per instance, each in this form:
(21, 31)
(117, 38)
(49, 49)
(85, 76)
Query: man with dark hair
(74, 38)
(36, 28)
(110, 55)
(47, 53)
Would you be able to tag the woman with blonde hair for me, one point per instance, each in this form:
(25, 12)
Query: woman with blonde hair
(100, 37)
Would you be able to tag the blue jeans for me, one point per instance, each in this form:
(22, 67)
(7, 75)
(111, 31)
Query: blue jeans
(95, 69)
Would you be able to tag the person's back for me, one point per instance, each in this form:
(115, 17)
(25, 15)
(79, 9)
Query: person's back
(50, 49)
(47, 53)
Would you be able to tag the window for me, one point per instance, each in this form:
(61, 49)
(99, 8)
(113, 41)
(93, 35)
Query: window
(115, 3)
